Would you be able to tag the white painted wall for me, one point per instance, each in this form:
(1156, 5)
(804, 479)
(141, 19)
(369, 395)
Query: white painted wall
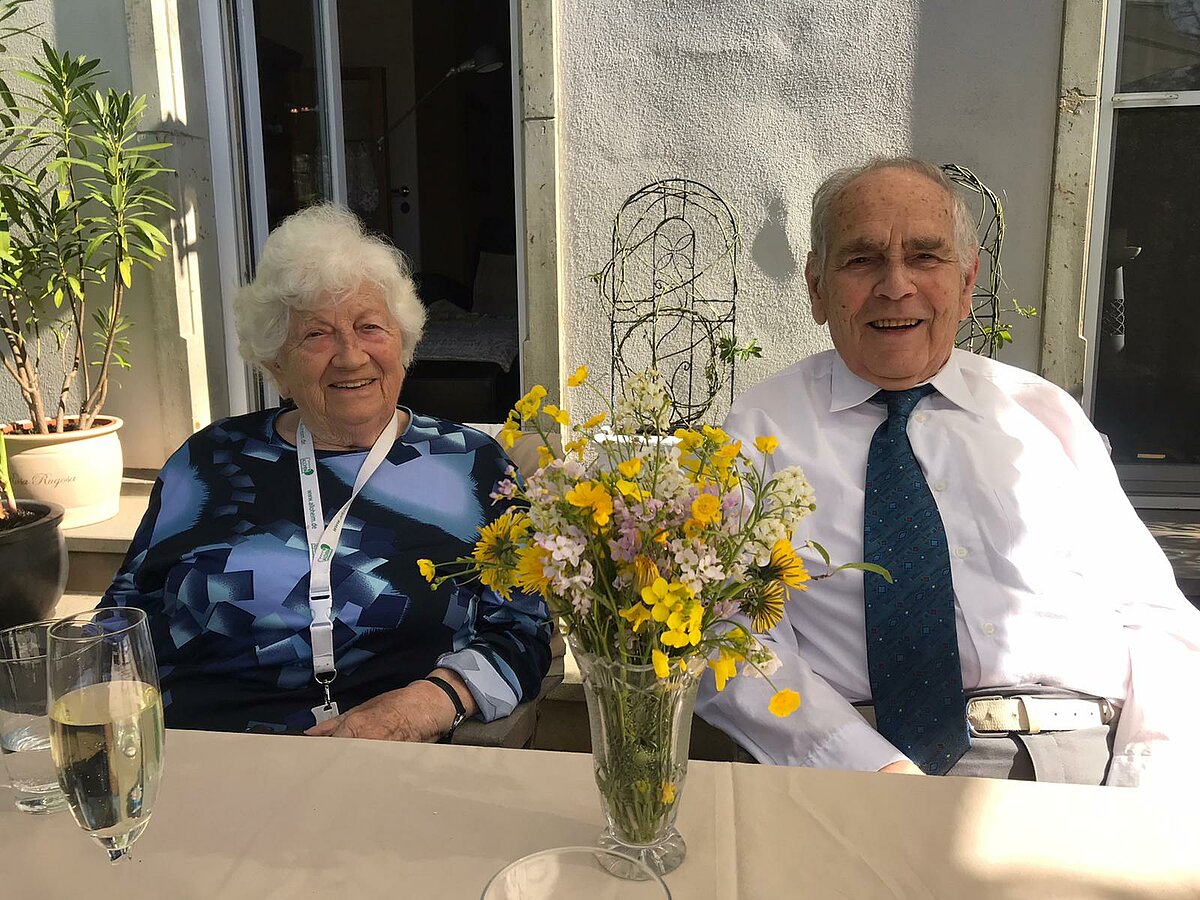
(761, 100)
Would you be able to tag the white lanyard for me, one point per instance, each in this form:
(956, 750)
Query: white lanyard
(323, 542)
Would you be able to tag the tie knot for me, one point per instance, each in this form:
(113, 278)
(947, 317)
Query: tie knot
(900, 404)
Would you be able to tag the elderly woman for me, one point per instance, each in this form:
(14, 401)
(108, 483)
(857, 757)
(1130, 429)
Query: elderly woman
(278, 557)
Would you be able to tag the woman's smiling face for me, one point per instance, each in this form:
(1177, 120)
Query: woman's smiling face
(341, 365)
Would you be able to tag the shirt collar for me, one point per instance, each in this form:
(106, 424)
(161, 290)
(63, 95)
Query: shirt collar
(848, 390)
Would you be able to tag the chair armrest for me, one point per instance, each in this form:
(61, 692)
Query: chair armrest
(514, 730)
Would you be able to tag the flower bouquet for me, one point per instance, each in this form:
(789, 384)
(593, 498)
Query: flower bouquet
(646, 556)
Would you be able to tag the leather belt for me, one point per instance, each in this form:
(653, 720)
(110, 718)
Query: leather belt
(1031, 714)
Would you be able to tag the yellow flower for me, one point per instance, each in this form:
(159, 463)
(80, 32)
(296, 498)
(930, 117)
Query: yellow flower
(766, 608)
(645, 572)
(723, 458)
(638, 615)
(664, 598)
(766, 444)
(630, 489)
(576, 446)
(688, 439)
(530, 572)
(499, 579)
(499, 539)
(545, 456)
(593, 496)
(428, 570)
(595, 420)
(662, 666)
(716, 435)
(706, 509)
(784, 703)
(558, 415)
(786, 566)
(509, 433)
(579, 377)
(668, 792)
(630, 467)
(528, 405)
(724, 667)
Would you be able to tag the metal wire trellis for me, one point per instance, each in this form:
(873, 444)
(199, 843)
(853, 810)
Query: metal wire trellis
(671, 283)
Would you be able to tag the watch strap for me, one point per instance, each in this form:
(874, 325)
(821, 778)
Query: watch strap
(460, 711)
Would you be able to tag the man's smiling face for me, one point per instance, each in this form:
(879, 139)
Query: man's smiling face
(892, 288)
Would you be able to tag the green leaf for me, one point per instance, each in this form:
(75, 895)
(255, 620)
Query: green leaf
(821, 550)
(126, 269)
(866, 567)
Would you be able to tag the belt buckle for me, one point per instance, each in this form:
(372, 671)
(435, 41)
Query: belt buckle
(980, 699)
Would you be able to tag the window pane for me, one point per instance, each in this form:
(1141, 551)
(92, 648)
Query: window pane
(294, 143)
(1160, 46)
(1148, 369)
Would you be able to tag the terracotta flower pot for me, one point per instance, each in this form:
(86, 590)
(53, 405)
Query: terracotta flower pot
(33, 565)
(78, 470)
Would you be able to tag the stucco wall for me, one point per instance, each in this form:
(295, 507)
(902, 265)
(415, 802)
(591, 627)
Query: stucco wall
(761, 100)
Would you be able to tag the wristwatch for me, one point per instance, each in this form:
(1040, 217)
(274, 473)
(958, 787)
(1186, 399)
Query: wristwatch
(460, 711)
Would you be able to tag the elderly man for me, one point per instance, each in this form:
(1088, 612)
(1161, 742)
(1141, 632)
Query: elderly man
(1033, 628)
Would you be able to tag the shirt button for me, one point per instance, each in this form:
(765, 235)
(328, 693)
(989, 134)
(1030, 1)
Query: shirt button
(939, 485)
(960, 552)
(989, 628)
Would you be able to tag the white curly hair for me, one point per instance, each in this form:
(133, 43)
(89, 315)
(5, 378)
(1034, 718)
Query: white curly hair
(317, 258)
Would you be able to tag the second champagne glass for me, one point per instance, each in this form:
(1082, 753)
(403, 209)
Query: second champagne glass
(106, 722)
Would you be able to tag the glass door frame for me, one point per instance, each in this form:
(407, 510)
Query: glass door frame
(228, 44)
(1157, 493)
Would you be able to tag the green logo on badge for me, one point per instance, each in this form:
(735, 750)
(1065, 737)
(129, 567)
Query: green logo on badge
(325, 552)
(306, 466)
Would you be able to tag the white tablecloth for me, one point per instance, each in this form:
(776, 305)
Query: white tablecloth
(271, 816)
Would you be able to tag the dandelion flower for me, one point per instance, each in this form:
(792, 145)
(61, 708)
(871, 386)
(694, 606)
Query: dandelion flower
(786, 566)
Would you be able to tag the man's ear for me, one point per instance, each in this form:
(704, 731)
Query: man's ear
(968, 289)
(812, 277)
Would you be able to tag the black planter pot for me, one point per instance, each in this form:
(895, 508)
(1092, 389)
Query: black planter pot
(33, 566)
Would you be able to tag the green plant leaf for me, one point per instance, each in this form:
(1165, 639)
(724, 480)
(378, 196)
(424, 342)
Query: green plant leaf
(866, 567)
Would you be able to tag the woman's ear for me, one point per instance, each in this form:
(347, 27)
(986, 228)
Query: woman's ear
(276, 372)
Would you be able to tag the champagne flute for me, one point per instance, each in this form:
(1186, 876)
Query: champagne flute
(106, 722)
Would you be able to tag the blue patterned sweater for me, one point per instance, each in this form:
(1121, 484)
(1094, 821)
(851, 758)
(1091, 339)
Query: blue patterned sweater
(220, 564)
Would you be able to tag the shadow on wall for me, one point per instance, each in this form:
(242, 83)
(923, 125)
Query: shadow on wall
(770, 249)
(984, 95)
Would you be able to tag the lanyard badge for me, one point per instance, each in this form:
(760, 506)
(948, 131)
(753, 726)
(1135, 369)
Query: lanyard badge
(322, 547)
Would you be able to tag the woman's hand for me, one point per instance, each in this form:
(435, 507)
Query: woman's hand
(419, 712)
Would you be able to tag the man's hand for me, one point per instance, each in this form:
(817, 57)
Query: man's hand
(902, 767)
(419, 712)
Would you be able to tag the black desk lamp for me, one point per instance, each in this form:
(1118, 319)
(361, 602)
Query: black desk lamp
(485, 60)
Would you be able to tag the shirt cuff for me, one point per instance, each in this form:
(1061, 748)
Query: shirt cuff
(493, 695)
(855, 746)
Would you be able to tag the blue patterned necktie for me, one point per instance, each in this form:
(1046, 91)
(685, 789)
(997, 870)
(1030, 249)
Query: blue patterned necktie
(912, 645)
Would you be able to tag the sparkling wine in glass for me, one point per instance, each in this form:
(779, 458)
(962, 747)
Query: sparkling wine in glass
(106, 722)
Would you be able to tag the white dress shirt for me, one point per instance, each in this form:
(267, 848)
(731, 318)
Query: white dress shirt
(1057, 581)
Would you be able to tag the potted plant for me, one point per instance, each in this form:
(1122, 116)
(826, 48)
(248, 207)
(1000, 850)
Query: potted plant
(33, 555)
(78, 198)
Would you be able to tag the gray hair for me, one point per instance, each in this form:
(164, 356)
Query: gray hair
(966, 238)
(314, 259)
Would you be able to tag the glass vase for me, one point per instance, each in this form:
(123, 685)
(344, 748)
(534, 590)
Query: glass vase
(641, 728)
